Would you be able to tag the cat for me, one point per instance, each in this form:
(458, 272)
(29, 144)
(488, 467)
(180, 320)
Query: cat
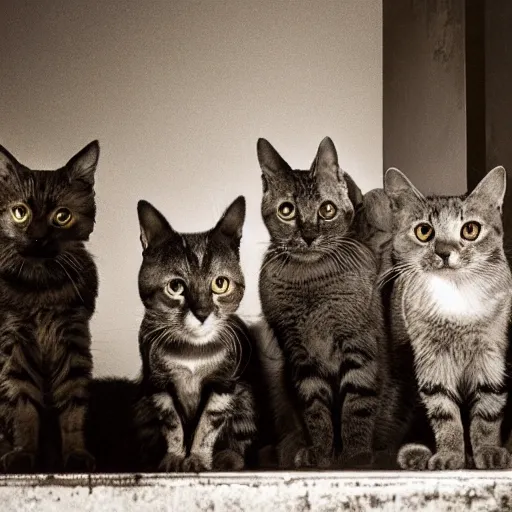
(196, 353)
(48, 289)
(450, 308)
(319, 296)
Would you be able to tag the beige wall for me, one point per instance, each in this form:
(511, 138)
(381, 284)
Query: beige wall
(178, 93)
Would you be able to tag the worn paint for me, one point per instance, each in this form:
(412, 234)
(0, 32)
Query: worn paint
(286, 491)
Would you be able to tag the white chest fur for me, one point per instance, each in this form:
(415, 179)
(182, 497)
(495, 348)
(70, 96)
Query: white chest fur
(464, 301)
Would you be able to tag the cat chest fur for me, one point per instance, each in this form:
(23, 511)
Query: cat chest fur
(189, 374)
(458, 334)
(42, 355)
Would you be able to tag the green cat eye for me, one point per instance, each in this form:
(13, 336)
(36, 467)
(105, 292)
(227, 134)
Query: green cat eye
(327, 210)
(175, 287)
(62, 218)
(286, 210)
(20, 213)
(220, 285)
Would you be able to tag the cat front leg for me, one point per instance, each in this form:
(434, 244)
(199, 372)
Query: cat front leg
(360, 387)
(25, 435)
(217, 412)
(20, 398)
(444, 416)
(172, 429)
(314, 394)
(486, 415)
(73, 397)
(239, 433)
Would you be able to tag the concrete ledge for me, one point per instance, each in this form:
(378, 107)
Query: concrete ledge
(269, 491)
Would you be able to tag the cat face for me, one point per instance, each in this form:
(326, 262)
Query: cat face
(45, 214)
(305, 210)
(448, 235)
(191, 282)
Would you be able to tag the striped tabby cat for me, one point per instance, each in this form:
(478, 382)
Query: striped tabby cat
(451, 305)
(48, 288)
(318, 294)
(195, 351)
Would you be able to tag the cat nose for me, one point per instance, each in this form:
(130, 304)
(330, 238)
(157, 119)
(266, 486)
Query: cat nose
(445, 256)
(201, 315)
(309, 239)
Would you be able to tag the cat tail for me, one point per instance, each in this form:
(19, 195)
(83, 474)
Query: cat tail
(280, 442)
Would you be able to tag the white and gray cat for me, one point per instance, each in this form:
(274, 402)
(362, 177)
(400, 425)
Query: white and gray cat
(450, 307)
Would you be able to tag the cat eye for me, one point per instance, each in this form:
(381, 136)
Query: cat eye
(327, 210)
(470, 231)
(220, 285)
(62, 217)
(20, 213)
(175, 287)
(424, 232)
(286, 211)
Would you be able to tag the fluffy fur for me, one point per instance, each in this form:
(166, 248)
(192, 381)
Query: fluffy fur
(48, 288)
(451, 307)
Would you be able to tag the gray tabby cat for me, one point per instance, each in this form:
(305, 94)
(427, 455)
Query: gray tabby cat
(451, 303)
(318, 295)
(196, 353)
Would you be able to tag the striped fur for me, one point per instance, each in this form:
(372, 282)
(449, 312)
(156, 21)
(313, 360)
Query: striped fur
(48, 288)
(319, 297)
(196, 354)
(451, 304)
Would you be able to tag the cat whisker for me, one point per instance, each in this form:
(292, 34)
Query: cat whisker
(71, 279)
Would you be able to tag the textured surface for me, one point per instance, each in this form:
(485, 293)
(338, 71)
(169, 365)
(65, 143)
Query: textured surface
(328, 491)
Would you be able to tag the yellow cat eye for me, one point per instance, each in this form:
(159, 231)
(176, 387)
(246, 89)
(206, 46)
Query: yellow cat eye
(175, 287)
(220, 285)
(62, 218)
(470, 231)
(20, 213)
(424, 232)
(327, 210)
(286, 210)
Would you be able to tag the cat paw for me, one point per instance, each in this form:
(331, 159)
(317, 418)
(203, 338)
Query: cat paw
(171, 463)
(492, 457)
(447, 460)
(79, 461)
(414, 457)
(228, 460)
(195, 463)
(311, 457)
(19, 461)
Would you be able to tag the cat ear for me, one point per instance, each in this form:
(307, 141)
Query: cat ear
(271, 162)
(326, 158)
(7, 163)
(396, 184)
(354, 192)
(491, 189)
(232, 221)
(153, 225)
(378, 211)
(83, 165)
